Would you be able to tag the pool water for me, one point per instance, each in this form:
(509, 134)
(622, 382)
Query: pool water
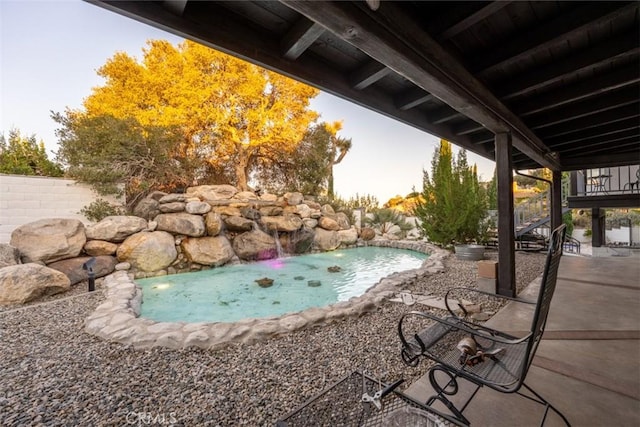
(230, 293)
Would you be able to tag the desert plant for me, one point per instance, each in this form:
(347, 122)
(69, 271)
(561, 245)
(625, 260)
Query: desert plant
(384, 220)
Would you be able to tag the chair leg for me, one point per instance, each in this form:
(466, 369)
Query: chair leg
(449, 389)
(541, 400)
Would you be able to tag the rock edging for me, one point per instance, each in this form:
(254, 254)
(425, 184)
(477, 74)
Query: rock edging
(117, 318)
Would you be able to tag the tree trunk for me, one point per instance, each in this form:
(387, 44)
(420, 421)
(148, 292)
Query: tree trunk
(242, 164)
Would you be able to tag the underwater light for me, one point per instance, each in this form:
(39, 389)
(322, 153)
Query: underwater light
(163, 286)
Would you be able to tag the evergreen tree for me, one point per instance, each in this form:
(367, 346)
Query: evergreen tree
(24, 156)
(107, 153)
(492, 192)
(453, 204)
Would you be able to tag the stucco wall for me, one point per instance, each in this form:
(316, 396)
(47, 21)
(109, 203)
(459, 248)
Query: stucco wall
(25, 199)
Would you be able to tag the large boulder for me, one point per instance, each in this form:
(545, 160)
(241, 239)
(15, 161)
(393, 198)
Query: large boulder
(343, 221)
(367, 233)
(328, 223)
(49, 240)
(238, 223)
(27, 282)
(72, 268)
(149, 207)
(213, 223)
(327, 210)
(212, 251)
(287, 222)
(298, 242)
(293, 199)
(172, 207)
(212, 192)
(100, 247)
(255, 245)
(181, 223)
(116, 228)
(271, 211)
(303, 210)
(228, 210)
(148, 251)
(8, 255)
(172, 198)
(326, 240)
(197, 208)
(245, 195)
(348, 237)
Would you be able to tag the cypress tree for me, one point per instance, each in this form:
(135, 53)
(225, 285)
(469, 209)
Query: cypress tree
(453, 204)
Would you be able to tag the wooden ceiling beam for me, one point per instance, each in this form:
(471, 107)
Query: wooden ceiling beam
(412, 98)
(471, 20)
(605, 130)
(368, 74)
(300, 38)
(554, 33)
(604, 142)
(585, 108)
(445, 114)
(467, 128)
(389, 36)
(550, 100)
(585, 88)
(592, 121)
(175, 6)
(618, 48)
(599, 161)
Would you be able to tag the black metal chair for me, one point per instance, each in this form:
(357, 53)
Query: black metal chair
(481, 355)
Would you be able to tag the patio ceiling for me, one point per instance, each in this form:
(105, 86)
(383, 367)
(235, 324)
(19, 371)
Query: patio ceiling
(562, 77)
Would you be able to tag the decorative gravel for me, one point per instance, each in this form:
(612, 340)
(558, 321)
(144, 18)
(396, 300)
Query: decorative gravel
(54, 374)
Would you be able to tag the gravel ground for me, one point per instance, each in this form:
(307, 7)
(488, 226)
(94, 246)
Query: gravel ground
(54, 374)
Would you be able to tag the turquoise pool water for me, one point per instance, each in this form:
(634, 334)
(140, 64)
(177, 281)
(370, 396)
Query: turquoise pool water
(230, 293)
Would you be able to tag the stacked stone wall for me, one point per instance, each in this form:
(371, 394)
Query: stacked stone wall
(207, 227)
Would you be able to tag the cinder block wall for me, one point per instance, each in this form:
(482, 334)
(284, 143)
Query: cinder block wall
(26, 199)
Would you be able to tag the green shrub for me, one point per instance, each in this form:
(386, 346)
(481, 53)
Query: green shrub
(100, 209)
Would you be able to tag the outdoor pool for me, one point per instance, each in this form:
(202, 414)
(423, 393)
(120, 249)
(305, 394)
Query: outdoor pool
(230, 293)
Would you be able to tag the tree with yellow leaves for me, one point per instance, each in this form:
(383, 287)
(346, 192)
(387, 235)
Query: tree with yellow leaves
(229, 114)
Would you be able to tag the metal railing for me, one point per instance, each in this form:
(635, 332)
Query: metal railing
(535, 211)
(608, 181)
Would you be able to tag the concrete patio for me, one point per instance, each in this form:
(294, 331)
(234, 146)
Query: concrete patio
(588, 363)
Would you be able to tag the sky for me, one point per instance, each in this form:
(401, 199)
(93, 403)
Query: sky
(50, 51)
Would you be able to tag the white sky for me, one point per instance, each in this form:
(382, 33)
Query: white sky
(50, 51)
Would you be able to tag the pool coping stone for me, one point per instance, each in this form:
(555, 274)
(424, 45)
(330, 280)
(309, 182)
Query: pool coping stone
(117, 319)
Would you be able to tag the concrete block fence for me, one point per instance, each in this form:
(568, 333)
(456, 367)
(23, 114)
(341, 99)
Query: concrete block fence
(25, 199)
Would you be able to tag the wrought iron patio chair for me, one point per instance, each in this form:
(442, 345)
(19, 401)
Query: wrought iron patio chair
(482, 356)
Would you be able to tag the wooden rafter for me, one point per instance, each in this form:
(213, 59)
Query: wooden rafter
(392, 43)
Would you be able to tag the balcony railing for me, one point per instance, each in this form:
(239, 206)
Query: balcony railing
(607, 181)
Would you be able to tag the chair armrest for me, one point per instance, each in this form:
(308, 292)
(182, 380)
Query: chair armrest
(460, 325)
(477, 291)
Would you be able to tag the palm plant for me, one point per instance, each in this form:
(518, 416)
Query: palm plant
(384, 220)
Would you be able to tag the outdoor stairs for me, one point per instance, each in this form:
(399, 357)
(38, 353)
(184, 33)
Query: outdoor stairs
(532, 214)
(533, 223)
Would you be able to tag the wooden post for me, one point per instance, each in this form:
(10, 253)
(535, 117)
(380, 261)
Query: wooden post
(506, 223)
(597, 227)
(556, 200)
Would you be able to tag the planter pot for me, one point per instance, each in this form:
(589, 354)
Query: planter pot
(469, 252)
